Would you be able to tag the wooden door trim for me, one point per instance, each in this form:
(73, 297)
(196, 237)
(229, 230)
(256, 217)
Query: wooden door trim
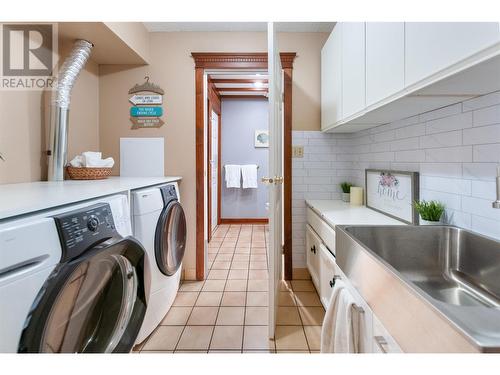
(213, 104)
(287, 172)
(225, 60)
(219, 168)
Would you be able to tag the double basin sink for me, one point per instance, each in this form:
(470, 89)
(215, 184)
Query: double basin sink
(438, 287)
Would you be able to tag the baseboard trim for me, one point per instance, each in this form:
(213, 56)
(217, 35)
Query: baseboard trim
(244, 221)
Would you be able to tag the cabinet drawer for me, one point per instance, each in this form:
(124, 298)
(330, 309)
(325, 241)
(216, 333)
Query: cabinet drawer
(313, 243)
(383, 342)
(324, 231)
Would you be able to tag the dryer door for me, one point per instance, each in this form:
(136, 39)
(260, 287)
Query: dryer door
(93, 304)
(170, 238)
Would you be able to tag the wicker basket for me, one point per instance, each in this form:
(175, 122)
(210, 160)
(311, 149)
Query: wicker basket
(85, 173)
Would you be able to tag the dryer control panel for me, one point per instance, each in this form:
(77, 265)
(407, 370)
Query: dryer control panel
(168, 194)
(81, 229)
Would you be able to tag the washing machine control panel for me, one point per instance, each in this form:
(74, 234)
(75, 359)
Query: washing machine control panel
(168, 194)
(81, 229)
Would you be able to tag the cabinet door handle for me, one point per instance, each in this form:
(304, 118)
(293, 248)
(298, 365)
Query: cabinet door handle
(381, 343)
(313, 249)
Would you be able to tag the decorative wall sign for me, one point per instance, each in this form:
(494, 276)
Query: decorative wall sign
(146, 110)
(146, 99)
(392, 193)
(261, 138)
(153, 122)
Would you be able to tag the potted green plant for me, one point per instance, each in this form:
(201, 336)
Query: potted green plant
(430, 212)
(346, 191)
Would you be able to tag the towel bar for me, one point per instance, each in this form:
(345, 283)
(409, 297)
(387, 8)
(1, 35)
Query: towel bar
(358, 309)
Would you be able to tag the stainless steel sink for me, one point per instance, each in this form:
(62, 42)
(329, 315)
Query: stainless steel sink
(453, 271)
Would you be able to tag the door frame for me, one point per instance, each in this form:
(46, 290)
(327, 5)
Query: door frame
(213, 104)
(228, 60)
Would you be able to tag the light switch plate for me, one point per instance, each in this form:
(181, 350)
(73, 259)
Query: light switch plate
(298, 151)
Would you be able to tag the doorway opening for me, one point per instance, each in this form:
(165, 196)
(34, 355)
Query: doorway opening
(208, 131)
(238, 128)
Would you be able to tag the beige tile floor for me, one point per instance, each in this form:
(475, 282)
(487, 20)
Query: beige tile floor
(228, 312)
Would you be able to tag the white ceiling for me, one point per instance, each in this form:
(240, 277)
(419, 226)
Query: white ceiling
(315, 27)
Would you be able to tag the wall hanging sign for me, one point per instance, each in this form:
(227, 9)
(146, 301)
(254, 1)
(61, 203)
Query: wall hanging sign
(146, 99)
(146, 110)
(393, 193)
(261, 138)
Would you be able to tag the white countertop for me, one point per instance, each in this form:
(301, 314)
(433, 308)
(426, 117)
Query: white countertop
(337, 212)
(23, 198)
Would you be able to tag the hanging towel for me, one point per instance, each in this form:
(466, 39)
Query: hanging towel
(249, 174)
(341, 330)
(233, 176)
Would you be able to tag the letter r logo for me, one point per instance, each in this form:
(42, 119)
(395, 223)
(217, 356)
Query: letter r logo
(27, 49)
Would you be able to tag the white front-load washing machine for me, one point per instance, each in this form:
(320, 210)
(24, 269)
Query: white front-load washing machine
(159, 224)
(71, 280)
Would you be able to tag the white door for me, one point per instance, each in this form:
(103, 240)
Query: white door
(214, 168)
(275, 178)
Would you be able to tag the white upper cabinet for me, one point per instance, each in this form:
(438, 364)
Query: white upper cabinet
(433, 46)
(331, 79)
(385, 54)
(353, 68)
(370, 70)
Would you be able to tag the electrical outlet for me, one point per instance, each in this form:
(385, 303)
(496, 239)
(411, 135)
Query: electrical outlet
(297, 151)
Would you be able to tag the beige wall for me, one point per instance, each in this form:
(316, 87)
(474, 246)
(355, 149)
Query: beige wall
(24, 126)
(173, 69)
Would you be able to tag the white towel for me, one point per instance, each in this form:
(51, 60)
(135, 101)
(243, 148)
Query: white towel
(233, 176)
(77, 162)
(341, 331)
(249, 174)
(92, 160)
(99, 163)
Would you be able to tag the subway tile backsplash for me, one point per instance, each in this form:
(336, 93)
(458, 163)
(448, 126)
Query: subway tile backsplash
(456, 149)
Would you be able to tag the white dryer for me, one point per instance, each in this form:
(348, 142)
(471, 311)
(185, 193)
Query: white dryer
(71, 280)
(159, 224)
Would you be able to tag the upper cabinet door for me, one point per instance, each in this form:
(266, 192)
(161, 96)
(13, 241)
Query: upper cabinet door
(331, 79)
(432, 46)
(384, 60)
(353, 68)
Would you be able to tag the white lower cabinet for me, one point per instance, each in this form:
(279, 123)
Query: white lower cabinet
(383, 342)
(325, 272)
(313, 243)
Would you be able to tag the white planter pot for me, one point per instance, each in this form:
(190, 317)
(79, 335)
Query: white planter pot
(346, 197)
(427, 222)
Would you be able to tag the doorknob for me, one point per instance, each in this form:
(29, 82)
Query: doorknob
(272, 180)
(267, 180)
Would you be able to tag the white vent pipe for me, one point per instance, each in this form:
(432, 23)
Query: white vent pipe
(59, 116)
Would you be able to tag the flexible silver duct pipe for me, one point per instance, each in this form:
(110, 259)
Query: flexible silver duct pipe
(59, 115)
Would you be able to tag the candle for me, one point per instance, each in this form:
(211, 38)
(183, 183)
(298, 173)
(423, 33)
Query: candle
(356, 196)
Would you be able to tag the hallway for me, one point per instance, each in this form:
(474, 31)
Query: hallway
(228, 312)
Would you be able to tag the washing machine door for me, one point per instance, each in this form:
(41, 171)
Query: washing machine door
(170, 238)
(93, 304)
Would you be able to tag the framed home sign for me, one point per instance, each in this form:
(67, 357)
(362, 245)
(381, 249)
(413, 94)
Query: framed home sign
(393, 193)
